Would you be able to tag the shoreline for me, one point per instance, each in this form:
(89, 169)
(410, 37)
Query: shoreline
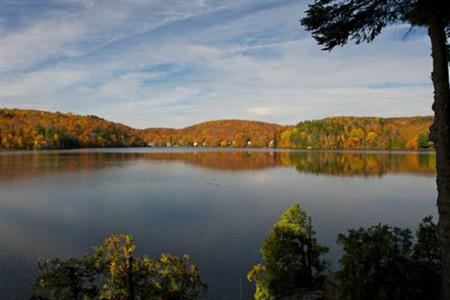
(146, 149)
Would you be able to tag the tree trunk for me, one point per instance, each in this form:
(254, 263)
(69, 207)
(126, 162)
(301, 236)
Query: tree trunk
(440, 135)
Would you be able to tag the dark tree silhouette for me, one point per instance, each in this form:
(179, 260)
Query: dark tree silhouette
(336, 22)
(384, 262)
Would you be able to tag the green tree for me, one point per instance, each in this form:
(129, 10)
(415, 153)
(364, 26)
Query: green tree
(427, 258)
(174, 278)
(335, 22)
(119, 267)
(372, 139)
(112, 272)
(73, 278)
(423, 141)
(381, 263)
(427, 246)
(292, 257)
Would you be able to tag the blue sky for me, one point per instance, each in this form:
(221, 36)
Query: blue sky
(174, 63)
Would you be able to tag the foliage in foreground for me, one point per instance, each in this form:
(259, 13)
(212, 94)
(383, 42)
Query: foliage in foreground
(112, 272)
(292, 257)
(381, 262)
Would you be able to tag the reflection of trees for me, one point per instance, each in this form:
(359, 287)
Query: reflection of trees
(328, 163)
(37, 164)
(226, 160)
(362, 164)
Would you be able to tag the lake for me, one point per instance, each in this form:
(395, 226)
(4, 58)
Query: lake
(215, 204)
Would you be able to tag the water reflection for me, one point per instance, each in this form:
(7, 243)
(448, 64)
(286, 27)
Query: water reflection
(19, 165)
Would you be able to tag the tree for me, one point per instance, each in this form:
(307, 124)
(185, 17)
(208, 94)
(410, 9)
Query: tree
(112, 272)
(423, 141)
(381, 263)
(175, 278)
(372, 139)
(335, 22)
(119, 267)
(427, 247)
(72, 278)
(292, 257)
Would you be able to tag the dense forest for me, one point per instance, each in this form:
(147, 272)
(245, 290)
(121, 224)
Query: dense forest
(222, 133)
(358, 133)
(31, 129)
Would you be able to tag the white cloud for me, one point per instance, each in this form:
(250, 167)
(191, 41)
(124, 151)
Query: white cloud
(156, 65)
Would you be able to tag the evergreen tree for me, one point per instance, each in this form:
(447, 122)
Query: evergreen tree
(336, 22)
(292, 257)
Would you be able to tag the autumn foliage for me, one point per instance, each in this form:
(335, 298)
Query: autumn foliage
(221, 133)
(324, 163)
(358, 133)
(31, 129)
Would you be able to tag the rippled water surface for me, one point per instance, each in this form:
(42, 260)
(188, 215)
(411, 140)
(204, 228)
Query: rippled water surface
(216, 205)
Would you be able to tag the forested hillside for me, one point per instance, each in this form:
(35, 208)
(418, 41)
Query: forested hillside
(31, 129)
(358, 133)
(222, 133)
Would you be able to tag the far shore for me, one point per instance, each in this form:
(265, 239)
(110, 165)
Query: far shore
(145, 149)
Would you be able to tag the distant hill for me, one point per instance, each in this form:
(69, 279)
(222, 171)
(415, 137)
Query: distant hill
(222, 133)
(32, 129)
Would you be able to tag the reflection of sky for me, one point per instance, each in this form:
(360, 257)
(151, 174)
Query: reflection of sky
(219, 217)
(146, 63)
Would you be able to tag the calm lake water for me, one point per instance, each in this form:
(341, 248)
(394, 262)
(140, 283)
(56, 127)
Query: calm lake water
(215, 205)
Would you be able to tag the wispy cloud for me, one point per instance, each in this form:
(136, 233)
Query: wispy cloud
(148, 63)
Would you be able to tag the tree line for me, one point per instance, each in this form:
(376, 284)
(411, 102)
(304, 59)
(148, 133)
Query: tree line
(219, 133)
(30, 129)
(358, 133)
